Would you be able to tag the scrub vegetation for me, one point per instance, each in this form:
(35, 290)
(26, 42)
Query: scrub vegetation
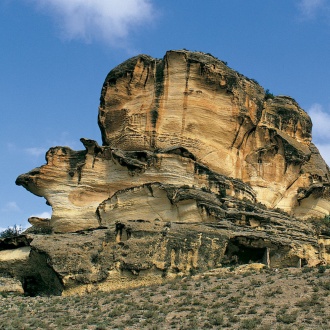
(270, 299)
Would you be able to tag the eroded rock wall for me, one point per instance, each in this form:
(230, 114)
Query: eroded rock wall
(226, 120)
(75, 184)
(132, 252)
(197, 165)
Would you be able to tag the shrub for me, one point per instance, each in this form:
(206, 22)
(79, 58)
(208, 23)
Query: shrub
(286, 317)
(268, 95)
(322, 269)
(217, 319)
(255, 81)
(250, 323)
(47, 230)
(11, 232)
(325, 285)
(307, 270)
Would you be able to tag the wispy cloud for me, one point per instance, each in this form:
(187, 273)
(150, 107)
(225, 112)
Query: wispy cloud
(63, 140)
(321, 131)
(324, 151)
(310, 8)
(10, 207)
(35, 151)
(11, 147)
(321, 122)
(89, 20)
(42, 215)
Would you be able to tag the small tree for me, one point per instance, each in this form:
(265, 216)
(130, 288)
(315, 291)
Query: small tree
(268, 95)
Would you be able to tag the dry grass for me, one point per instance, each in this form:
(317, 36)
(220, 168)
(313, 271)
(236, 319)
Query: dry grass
(285, 299)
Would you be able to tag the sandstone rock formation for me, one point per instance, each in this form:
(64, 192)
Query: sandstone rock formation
(224, 119)
(197, 163)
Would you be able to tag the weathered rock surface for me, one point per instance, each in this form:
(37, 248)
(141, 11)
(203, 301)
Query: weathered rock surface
(195, 101)
(78, 184)
(196, 163)
(136, 252)
(11, 286)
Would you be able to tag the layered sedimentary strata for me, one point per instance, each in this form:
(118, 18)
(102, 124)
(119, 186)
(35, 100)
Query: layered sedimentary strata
(226, 120)
(197, 166)
(134, 251)
(78, 184)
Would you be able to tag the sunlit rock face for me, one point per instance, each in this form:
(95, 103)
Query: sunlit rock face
(197, 165)
(77, 183)
(226, 120)
(161, 120)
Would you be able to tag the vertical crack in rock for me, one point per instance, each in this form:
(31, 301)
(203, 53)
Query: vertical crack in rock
(159, 89)
(187, 91)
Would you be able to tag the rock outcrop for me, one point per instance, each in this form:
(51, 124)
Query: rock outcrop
(197, 166)
(224, 119)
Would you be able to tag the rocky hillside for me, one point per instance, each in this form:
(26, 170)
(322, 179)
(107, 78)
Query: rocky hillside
(200, 168)
(239, 298)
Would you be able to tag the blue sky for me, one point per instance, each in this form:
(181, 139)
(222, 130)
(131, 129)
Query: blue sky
(55, 55)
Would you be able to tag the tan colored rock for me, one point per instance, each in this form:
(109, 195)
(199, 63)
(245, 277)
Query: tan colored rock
(195, 101)
(134, 252)
(168, 115)
(26, 269)
(76, 183)
(39, 222)
(15, 255)
(14, 264)
(10, 286)
(196, 163)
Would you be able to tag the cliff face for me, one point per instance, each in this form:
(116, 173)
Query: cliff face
(225, 119)
(196, 162)
(80, 185)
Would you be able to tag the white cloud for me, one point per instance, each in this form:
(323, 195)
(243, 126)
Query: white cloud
(321, 130)
(321, 123)
(324, 151)
(107, 20)
(310, 8)
(11, 227)
(10, 207)
(18, 227)
(42, 215)
(11, 147)
(35, 151)
(63, 141)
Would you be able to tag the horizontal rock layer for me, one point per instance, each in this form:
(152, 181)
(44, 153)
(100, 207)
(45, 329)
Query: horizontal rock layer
(193, 100)
(77, 184)
(133, 251)
(197, 167)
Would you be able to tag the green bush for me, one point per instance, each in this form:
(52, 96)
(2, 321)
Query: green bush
(216, 319)
(286, 317)
(11, 232)
(251, 323)
(47, 230)
(322, 269)
(268, 95)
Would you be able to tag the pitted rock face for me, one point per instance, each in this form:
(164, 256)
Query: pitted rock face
(226, 120)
